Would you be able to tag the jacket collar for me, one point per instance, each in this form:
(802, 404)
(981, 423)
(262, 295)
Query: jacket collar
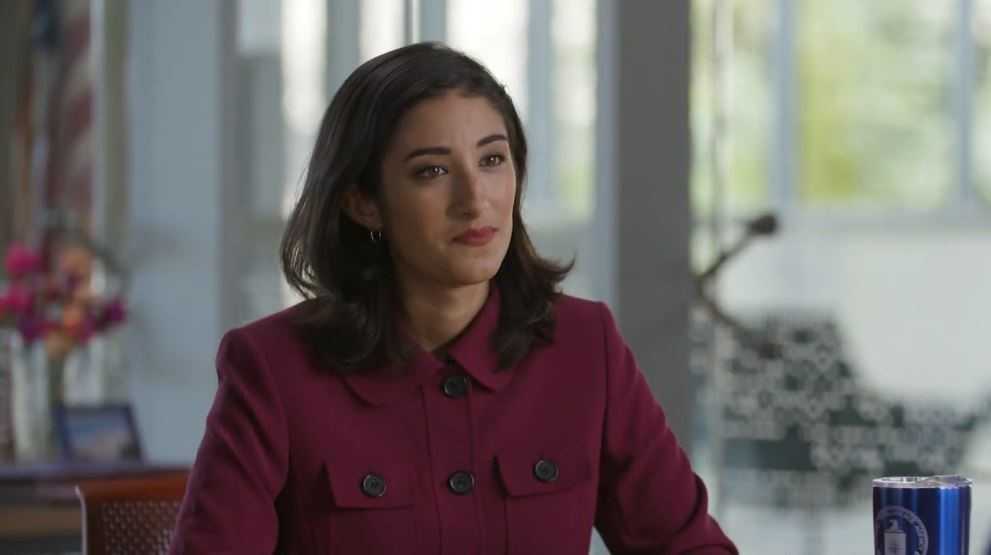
(473, 352)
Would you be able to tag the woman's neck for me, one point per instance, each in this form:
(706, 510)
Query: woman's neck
(435, 318)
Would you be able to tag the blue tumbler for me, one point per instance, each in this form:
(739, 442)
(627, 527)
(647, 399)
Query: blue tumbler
(921, 515)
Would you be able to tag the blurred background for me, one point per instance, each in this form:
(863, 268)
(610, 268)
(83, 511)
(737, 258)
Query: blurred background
(787, 203)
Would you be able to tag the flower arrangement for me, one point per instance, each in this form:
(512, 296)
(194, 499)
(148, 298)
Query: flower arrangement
(54, 302)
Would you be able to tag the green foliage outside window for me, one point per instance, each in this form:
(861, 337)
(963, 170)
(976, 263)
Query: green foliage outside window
(875, 117)
(981, 27)
(875, 110)
(748, 106)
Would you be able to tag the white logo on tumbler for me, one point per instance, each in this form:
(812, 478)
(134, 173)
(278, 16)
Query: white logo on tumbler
(894, 540)
(903, 532)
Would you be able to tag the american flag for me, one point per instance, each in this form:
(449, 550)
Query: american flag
(70, 173)
(54, 120)
(62, 50)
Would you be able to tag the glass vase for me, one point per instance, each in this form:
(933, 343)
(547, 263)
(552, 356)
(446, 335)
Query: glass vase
(6, 396)
(37, 385)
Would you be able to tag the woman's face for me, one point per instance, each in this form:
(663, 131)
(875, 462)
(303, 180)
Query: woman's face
(446, 198)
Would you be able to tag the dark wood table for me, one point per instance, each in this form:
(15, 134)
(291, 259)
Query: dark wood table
(39, 512)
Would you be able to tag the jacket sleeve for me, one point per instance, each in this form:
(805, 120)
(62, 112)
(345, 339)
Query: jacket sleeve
(650, 500)
(241, 465)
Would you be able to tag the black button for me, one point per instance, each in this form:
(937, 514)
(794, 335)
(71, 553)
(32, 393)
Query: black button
(461, 482)
(545, 470)
(373, 485)
(456, 386)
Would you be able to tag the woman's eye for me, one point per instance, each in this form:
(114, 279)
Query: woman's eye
(493, 160)
(430, 171)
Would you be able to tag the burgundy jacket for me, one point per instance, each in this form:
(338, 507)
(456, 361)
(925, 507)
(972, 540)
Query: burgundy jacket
(456, 458)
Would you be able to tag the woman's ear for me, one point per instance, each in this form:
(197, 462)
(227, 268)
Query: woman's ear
(362, 209)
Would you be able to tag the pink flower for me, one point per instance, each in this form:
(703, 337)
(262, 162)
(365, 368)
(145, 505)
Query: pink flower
(37, 293)
(52, 291)
(116, 311)
(18, 299)
(112, 313)
(32, 328)
(21, 261)
(84, 331)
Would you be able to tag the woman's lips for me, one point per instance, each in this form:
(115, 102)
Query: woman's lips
(476, 237)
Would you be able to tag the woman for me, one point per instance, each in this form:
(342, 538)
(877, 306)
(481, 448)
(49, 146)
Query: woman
(435, 393)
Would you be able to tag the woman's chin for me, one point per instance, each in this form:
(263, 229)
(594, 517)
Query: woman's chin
(475, 273)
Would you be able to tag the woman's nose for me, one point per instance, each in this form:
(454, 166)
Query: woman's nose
(469, 194)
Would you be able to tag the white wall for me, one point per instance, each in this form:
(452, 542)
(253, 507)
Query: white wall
(178, 170)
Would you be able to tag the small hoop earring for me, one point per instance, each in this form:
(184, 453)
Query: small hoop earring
(374, 235)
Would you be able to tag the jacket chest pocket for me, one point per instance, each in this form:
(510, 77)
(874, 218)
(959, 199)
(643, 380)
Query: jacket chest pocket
(371, 507)
(550, 497)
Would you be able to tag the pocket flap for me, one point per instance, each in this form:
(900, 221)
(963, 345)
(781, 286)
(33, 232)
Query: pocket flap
(357, 484)
(539, 472)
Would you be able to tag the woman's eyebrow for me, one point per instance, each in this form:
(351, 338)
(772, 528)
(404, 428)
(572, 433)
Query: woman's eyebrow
(428, 150)
(492, 138)
(442, 150)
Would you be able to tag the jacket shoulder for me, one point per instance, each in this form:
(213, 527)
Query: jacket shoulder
(570, 307)
(277, 330)
(575, 315)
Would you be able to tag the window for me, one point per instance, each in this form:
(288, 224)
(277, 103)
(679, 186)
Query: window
(744, 92)
(497, 37)
(981, 29)
(875, 97)
(382, 27)
(865, 127)
(573, 35)
(842, 106)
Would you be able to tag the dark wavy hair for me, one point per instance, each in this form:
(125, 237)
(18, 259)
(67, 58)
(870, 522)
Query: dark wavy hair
(349, 317)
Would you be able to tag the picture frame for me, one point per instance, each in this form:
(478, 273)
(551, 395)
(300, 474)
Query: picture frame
(98, 433)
